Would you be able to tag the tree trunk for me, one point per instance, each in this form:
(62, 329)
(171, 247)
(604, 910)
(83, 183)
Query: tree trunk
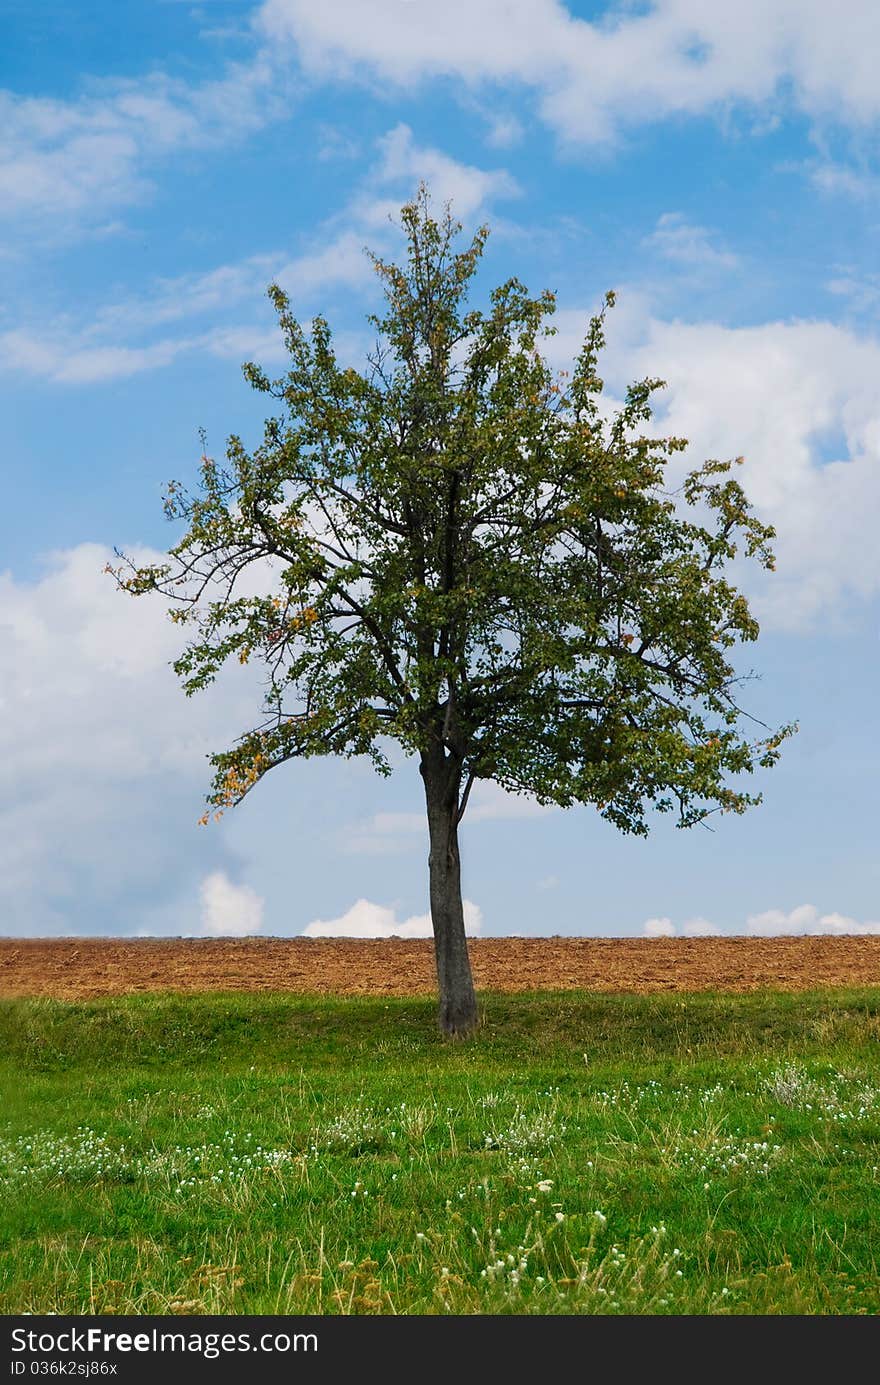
(458, 1003)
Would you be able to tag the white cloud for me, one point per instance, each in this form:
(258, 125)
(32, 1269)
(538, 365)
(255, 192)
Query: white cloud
(862, 292)
(102, 760)
(779, 394)
(190, 295)
(772, 394)
(504, 131)
(229, 911)
(367, 920)
(775, 393)
(678, 240)
(79, 356)
(838, 179)
(339, 262)
(63, 164)
(69, 358)
(100, 349)
(467, 187)
(590, 79)
(108, 346)
(775, 921)
(805, 919)
(67, 163)
(700, 928)
(337, 143)
(658, 928)
(405, 42)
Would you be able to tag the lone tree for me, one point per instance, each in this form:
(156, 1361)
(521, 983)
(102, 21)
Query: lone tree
(469, 559)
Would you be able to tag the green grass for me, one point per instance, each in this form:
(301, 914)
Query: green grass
(584, 1154)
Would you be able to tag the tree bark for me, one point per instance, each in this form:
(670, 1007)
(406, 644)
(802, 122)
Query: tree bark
(458, 1003)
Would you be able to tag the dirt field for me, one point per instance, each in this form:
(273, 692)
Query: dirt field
(82, 968)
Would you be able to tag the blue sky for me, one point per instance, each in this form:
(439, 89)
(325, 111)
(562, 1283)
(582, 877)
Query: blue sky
(161, 164)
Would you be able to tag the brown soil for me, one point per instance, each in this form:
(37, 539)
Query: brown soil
(83, 968)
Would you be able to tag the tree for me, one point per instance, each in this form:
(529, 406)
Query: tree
(470, 560)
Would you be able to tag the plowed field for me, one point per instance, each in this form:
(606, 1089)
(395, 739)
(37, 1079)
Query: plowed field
(84, 968)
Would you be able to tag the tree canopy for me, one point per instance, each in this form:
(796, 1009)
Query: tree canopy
(473, 557)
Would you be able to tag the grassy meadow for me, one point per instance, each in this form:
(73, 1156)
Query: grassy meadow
(584, 1154)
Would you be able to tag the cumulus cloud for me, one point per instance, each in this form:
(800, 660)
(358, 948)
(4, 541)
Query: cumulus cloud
(700, 928)
(805, 919)
(658, 928)
(102, 760)
(591, 78)
(780, 394)
(65, 163)
(469, 188)
(367, 920)
(773, 923)
(774, 393)
(229, 911)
